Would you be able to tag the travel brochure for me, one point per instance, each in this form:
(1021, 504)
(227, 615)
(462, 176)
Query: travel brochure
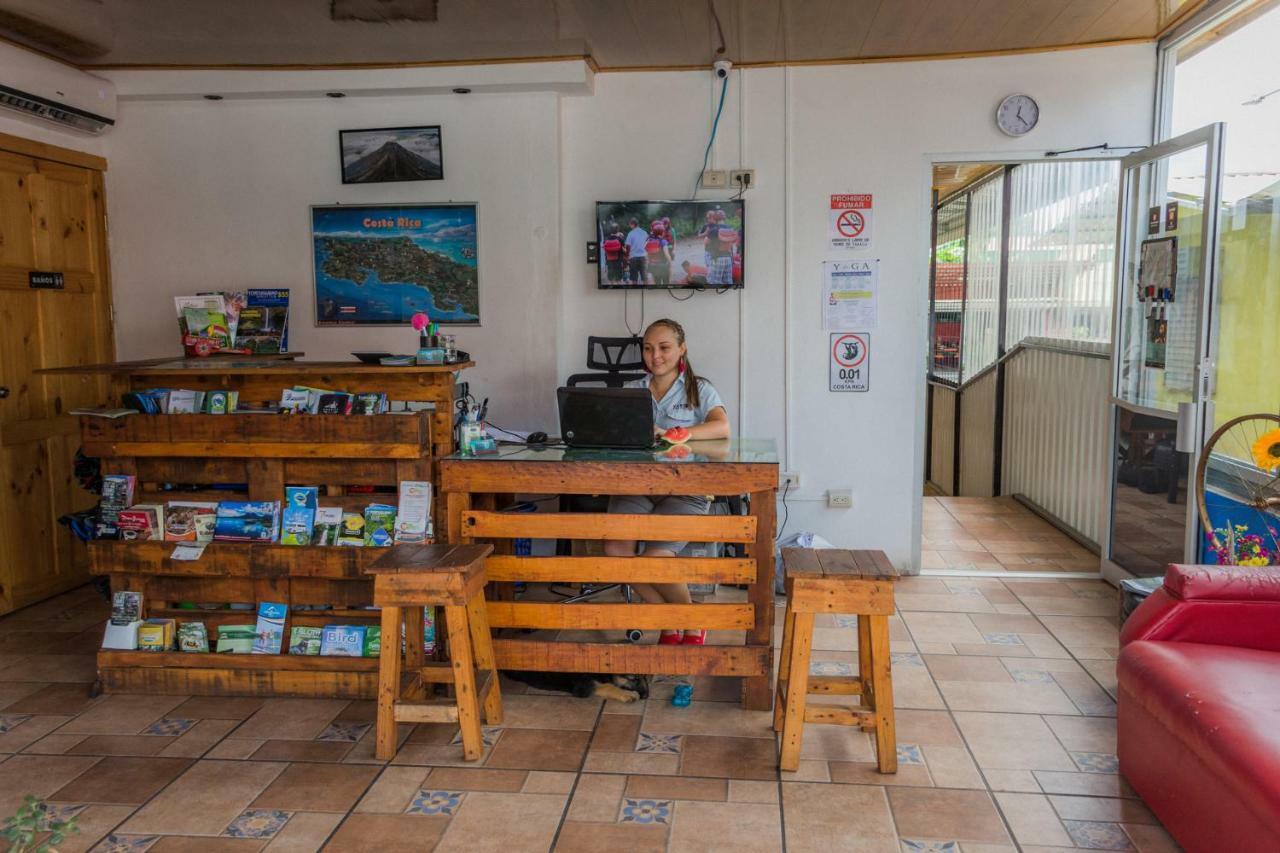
(128, 630)
(248, 322)
(299, 521)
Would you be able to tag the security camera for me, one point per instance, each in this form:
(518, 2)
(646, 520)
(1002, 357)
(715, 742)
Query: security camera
(722, 68)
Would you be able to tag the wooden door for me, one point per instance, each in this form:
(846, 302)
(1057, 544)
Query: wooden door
(52, 219)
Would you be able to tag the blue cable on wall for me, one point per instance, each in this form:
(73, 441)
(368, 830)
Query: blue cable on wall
(724, 88)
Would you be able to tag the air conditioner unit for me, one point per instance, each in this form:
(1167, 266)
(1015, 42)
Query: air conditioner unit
(43, 88)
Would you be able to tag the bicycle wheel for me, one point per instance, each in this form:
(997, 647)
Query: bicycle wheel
(1229, 475)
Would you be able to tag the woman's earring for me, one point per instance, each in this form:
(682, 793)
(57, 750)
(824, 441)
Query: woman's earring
(681, 366)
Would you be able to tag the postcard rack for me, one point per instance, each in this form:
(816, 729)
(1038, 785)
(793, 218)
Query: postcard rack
(253, 457)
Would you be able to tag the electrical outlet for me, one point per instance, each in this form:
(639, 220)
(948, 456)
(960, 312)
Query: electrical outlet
(790, 480)
(714, 179)
(840, 498)
(742, 178)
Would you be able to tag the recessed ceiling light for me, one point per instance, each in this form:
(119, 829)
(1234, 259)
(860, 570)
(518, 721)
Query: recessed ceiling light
(213, 97)
(462, 90)
(335, 94)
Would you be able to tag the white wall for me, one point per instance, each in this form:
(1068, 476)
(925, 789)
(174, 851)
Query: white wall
(216, 195)
(809, 132)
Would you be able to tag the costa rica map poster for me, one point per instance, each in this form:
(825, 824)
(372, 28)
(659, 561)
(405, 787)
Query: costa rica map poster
(379, 265)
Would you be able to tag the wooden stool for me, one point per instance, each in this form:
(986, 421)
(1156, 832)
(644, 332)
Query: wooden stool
(833, 581)
(406, 579)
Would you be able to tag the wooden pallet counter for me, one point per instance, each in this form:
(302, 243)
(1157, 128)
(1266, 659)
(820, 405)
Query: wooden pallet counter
(242, 573)
(253, 457)
(470, 485)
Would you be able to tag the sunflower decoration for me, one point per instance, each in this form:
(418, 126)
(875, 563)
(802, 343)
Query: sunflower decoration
(1266, 450)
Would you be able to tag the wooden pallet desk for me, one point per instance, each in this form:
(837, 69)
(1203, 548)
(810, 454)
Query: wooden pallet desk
(471, 484)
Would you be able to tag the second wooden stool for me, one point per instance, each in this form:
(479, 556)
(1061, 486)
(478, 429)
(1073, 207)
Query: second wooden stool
(406, 579)
(835, 581)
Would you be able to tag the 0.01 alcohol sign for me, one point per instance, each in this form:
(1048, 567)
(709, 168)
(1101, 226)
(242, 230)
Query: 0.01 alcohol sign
(850, 361)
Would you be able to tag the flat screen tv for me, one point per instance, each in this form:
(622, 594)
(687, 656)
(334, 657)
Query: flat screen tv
(666, 244)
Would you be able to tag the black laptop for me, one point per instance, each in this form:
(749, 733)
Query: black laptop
(606, 417)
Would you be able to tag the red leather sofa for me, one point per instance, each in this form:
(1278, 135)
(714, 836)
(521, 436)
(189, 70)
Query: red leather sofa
(1199, 706)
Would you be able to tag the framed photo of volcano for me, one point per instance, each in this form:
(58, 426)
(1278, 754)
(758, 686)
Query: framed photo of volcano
(386, 154)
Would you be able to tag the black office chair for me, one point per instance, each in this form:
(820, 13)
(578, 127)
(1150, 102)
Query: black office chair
(615, 360)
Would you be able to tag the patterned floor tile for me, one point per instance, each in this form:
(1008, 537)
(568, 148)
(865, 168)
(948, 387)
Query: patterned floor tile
(64, 811)
(906, 659)
(909, 753)
(257, 823)
(1003, 639)
(1032, 676)
(488, 734)
(125, 843)
(910, 845)
(1096, 762)
(645, 811)
(830, 667)
(9, 722)
(345, 732)
(669, 744)
(171, 726)
(436, 803)
(1097, 835)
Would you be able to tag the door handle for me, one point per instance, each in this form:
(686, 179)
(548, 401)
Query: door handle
(4, 392)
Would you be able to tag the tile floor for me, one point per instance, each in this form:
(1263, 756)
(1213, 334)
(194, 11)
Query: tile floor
(1006, 728)
(995, 535)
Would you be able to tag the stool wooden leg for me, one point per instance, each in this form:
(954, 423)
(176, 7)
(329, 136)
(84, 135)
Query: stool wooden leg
(797, 691)
(414, 656)
(482, 641)
(464, 682)
(864, 666)
(784, 665)
(388, 684)
(882, 685)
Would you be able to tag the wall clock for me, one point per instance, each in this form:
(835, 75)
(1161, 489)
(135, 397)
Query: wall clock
(1017, 114)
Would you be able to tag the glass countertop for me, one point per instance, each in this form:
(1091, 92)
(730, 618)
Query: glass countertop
(760, 451)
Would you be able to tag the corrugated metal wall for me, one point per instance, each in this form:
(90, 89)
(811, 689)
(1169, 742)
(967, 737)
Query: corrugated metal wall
(1055, 435)
(942, 458)
(977, 437)
(983, 248)
(1062, 240)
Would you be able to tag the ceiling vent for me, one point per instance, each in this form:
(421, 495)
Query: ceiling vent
(42, 88)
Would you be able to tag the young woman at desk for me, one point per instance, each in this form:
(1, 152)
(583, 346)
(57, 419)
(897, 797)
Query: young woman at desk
(680, 398)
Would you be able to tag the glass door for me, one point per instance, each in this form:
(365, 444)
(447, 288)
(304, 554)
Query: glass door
(1163, 349)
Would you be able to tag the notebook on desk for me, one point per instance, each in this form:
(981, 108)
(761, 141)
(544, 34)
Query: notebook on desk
(606, 417)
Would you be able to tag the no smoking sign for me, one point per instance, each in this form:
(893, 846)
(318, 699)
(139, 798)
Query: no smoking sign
(850, 361)
(850, 221)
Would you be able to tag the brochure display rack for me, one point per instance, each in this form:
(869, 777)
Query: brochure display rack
(238, 457)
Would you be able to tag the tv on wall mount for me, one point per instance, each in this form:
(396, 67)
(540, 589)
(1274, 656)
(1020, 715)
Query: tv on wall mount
(671, 244)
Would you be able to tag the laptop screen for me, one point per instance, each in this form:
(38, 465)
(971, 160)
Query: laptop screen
(606, 417)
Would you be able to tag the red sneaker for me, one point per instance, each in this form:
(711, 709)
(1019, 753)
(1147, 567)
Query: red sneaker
(669, 638)
(695, 638)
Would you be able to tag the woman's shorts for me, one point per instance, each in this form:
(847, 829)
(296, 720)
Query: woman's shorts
(656, 505)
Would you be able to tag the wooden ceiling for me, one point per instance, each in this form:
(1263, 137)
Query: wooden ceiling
(949, 177)
(616, 34)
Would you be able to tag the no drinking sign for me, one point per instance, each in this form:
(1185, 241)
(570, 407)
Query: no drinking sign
(850, 361)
